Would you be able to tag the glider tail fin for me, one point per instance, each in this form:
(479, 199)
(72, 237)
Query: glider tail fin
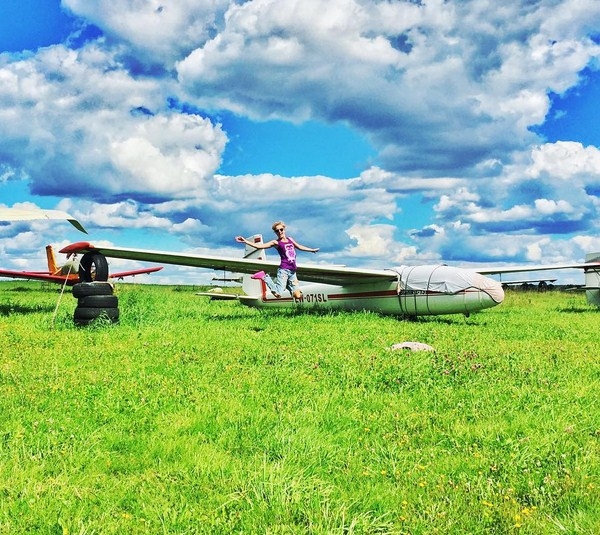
(592, 280)
(252, 286)
(52, 266)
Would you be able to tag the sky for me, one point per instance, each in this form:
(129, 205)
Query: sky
(383, 132)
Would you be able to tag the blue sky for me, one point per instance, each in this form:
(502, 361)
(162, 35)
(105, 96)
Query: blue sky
(576, 116)
(383, 133)
(29, 24)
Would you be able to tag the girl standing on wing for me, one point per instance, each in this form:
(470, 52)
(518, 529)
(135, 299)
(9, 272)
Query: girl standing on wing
(286, 273)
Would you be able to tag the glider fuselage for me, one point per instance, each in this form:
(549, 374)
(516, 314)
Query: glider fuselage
(386, 298)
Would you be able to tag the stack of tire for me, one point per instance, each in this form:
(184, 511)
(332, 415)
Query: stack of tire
(94, 294)
(95, 300)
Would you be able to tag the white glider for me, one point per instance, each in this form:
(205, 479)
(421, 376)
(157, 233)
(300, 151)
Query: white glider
(403, 291)
(408, 291)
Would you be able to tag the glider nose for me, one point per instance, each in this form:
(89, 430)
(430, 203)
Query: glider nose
(491, 287)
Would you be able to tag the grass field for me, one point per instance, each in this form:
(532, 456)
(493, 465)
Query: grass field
(192, 416)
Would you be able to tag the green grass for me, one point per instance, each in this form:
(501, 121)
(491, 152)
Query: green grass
(192, 416)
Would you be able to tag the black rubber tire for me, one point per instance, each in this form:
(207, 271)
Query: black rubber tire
(89, 313)
(84, 289)
(98, 301)
(93, 267)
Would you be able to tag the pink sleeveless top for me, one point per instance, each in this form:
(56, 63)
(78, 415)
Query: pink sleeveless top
(287, 252)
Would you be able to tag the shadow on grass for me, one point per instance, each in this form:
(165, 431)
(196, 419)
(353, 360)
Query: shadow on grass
(22, 289)
(9, 309)
(577, 309)
(333, 313)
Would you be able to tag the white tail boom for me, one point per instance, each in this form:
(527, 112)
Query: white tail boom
(249, 285)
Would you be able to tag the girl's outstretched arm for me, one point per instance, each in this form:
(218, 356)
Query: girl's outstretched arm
(241, 239)
(303, 247)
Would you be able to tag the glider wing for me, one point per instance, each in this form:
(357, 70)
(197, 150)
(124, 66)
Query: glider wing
(543, 267)
(31, 214)
(338, 275)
